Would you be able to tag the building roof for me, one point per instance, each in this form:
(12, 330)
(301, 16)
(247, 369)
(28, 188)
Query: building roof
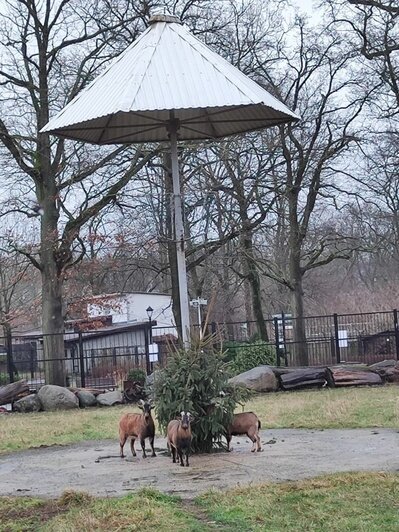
(94, 333)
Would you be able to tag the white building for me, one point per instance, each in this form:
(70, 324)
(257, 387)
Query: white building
(131, 308)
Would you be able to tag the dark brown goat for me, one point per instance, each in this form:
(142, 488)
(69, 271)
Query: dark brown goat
(137, 426)
(179, 437)
(245, 423)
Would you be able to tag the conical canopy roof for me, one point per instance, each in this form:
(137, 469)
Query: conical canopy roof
(166, 69)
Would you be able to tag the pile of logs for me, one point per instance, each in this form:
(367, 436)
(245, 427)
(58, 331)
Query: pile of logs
(338, 376)
(11, 392)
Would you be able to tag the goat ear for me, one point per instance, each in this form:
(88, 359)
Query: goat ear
(140, 404)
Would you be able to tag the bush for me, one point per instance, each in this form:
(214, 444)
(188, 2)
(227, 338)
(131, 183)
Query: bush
(251, 355)
(193, 381)
(136, 375)
(3, 378)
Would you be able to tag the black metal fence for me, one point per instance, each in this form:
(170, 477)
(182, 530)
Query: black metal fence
(103, 358)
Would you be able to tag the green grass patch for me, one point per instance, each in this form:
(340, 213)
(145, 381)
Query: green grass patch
(317, 409)
(343, 502)
(78, 511)
(360, 407)
(356, 502)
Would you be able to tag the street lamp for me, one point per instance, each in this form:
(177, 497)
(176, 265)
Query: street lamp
(149, 311)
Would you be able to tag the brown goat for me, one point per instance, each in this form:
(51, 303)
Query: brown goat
(179, 437)
(245, 423)
(137, 426)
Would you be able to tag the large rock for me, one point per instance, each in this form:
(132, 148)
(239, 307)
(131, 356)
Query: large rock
(57, 398)
(110, 398)
(260, 379)
(86, 398)
(150, 379)
(30, 403)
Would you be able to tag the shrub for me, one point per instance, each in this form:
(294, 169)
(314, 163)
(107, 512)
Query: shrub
(136, 375)
(195, 380)
(3, 378)
(251, 355)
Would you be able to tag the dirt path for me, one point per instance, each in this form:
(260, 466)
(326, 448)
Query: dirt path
(289, 454)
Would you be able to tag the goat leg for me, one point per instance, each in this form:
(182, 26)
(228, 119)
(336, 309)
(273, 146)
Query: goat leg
(132, 446)
(152, 446)
(142, 441)
(181, 457)
(121, 445)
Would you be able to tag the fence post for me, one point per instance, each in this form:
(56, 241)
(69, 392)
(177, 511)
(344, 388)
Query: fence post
(336, 338)
(277, 341)
(10, 362)
(395, 321)
(81, 362)
(284, 338)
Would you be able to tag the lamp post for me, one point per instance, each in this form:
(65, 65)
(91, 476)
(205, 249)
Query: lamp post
(149, 311)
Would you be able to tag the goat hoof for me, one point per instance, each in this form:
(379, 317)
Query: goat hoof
(153, 455)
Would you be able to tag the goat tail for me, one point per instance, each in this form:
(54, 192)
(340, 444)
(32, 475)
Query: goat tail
(259, 424)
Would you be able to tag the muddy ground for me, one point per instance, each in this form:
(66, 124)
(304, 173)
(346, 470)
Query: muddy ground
(289, 454)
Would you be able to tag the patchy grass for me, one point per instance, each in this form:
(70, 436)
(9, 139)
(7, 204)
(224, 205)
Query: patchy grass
(356, 502)
(23, 431)
(360, 407)
(344, 502)
(78, 511)
(321, 409)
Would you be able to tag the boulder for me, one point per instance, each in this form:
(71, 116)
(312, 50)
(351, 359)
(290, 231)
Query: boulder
(30, 403)
(259, 379)
(110, 398)
(86, 398)
(149, 380)
(57, 398)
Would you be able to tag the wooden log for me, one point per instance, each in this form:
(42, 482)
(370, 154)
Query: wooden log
(350, 376)
(388, 370)
(11, 392)
(306, 377)
(94, 391)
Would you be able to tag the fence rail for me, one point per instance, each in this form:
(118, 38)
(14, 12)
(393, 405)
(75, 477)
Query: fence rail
(103, 358)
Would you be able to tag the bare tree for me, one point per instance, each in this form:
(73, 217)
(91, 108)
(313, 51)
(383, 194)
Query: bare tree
(54, 49)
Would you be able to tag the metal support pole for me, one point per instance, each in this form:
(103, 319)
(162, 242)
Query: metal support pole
(396, 326)
(179, 234)
(277, 341)
(81, 361)
(336, 338)
(10, 361)
(284, 338)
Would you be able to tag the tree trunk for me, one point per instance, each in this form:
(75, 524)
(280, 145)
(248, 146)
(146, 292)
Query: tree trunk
(252, 276)
(52, 311)
(306, 377)
(299, 333)
(351, 376)
(300, 351)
